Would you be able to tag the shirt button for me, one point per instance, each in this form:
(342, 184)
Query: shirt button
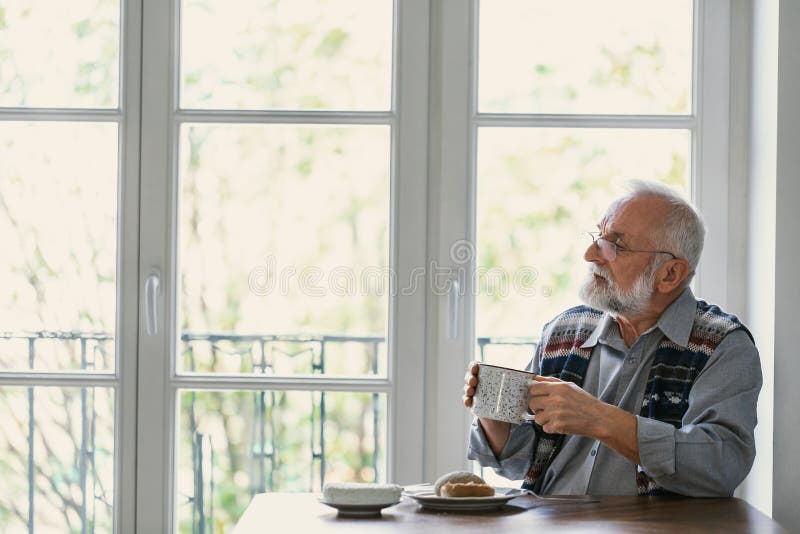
(594, 451)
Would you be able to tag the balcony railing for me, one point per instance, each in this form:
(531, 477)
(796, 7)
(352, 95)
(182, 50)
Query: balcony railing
(260, 351)
(255, 352)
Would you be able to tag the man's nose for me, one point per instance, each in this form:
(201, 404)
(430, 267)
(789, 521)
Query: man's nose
(592, 253)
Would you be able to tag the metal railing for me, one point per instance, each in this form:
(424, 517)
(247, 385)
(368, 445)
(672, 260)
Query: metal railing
(259, 351)
(485, 343)
(91, 346)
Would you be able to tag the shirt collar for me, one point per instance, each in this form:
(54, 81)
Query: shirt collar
(675, 323)
(677, 320)
(605, 322)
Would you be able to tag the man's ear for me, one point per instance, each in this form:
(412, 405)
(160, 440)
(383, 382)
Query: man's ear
(672, 274)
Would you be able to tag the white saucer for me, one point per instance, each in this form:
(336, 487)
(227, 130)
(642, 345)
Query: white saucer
(358, 510)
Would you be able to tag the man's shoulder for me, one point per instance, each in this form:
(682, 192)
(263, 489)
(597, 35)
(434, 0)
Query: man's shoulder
(709, 310)
(577, 312)
(711, 320)
(575, 318)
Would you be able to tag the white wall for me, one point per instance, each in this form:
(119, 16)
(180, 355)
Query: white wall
(786, 474)
(773, 257)
(760, 206)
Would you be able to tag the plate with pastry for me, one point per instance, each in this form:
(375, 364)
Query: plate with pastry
(360, 500)
(463, 491)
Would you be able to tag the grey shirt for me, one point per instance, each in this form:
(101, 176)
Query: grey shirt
(708, 456)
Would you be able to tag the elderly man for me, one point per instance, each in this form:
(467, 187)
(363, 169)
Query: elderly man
(645, 391)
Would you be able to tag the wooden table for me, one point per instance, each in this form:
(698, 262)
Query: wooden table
(299, 513)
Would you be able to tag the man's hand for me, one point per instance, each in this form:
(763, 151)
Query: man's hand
(496, 432)
(470, 383)
(564, 408)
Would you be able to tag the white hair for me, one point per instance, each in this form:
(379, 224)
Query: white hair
(683, 231)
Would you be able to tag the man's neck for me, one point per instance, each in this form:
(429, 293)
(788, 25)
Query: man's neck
(633, 326)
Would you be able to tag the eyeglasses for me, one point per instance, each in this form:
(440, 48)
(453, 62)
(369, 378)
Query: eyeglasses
(608, 250)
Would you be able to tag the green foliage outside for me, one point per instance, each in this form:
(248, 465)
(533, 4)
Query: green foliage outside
(251, 194)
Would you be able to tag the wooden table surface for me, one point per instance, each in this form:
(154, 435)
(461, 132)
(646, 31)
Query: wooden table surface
(298, 513)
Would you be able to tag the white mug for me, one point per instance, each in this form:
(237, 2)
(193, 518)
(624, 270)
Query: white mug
(502, 394)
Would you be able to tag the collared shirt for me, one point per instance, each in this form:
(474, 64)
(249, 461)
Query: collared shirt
(708, 456)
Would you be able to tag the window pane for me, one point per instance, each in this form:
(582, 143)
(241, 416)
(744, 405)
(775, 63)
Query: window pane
(284, 248)
(67, 434)
(289, 54)
(235, 444)
(58, 204)
(584, 56)
(538, 190)
(59, 54)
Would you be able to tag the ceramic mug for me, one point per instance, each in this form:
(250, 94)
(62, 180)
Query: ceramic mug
(502, 394)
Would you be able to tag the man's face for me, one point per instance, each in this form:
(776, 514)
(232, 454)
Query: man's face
(625, 284)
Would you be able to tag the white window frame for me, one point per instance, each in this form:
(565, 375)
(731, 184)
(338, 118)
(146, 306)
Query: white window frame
(122, 381)
(453, 137)
(434, 127)
(158, 379)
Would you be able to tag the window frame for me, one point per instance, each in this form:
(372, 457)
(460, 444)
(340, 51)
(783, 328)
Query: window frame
(122, 381)
(159, 380)
(434, 124)
(453, 169)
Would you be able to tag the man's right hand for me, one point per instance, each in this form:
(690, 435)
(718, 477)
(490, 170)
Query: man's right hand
(470, 383)
(496, 432)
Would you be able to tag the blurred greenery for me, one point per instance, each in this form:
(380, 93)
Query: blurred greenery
(544, 59)
(301, 196)
(307, 54)
(539, 191)
(59, 54)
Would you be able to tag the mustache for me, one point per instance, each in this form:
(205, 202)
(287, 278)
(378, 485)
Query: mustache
(599, 271)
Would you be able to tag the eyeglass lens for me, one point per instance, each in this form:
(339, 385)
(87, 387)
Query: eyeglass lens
(606, 249)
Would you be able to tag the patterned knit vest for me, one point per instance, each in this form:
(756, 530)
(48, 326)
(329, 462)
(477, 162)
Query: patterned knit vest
(666, 396)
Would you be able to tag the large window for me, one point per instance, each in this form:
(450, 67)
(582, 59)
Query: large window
(250, 246)
(540, 186)
(281, 133)
(559, 105)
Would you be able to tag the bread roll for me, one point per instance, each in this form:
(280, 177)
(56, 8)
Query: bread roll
(456, 477)
(468, 489)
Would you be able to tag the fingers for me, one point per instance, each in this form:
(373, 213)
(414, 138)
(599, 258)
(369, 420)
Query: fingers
(469, 391)
(540, 378)
(538, 390)
(540, 385)
(544, 422)
(539, 405)
(471, 376)
(470, 379)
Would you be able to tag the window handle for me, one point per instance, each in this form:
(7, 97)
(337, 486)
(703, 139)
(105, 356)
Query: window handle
(151, 286)
(454, 305)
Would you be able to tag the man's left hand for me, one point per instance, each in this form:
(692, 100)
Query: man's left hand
(564, 408)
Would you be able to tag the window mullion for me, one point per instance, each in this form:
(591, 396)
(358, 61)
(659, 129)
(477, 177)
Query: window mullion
(710, 145)
(285, 117)
(125, 437)
(409, 220)
(682, 122)
(155, 404)
(450, 323)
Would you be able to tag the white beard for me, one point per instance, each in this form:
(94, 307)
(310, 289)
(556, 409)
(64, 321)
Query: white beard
(608, 297)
